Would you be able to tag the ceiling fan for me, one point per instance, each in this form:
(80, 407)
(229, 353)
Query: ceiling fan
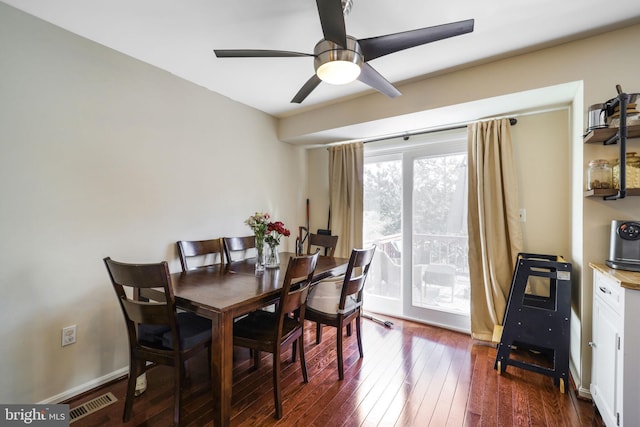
(340, 58)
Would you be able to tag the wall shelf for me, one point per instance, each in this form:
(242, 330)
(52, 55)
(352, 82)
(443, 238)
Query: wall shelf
(604, 192)
(610, 136)
(605, 134)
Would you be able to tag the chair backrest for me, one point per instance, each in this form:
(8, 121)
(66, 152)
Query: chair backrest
(355, 276)
(137, 310)
(201, 248)
(295, 287)
(238, 244)
(324, 241)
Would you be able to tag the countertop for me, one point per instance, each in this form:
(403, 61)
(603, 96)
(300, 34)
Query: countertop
(627, 279)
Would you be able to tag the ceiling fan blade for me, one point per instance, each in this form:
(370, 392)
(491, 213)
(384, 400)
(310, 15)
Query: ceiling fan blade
(371, 77)
(256, 53)
(306, 89)
(332, 21)
(376, 47)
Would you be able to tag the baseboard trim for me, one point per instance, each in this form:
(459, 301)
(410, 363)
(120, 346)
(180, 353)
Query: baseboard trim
(580, 390)
(584, 393)
(82, 388)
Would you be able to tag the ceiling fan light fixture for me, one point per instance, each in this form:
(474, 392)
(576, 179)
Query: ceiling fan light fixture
(338, 72)
(337, 65)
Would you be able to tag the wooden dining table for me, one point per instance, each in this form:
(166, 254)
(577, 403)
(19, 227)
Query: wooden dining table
(222, 294)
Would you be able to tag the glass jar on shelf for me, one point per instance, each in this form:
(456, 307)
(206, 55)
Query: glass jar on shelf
(599, 175)
(632, 171)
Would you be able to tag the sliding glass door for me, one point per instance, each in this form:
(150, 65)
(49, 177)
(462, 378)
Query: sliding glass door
(415, 212)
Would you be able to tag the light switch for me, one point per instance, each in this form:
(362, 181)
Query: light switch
(523, 215)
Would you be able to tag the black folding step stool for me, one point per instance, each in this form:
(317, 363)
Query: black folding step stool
(537, 322)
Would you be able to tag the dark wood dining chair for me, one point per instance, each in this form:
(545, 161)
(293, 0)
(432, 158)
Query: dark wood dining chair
(210, 251)
(157, 333)
(235, 248)
(338, 301)
(324, 241)
(271, 331)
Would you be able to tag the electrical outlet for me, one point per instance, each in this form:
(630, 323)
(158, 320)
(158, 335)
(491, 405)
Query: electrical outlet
(68, 335)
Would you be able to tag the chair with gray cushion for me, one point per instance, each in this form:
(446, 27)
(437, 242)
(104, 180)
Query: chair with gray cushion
(157, 333)
(338, 301)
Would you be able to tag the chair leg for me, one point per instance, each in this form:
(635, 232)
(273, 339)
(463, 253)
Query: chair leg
(339, 351)
(183, 369)
(134, 371)
(209, 360)
(277, 397)
(303, 362)
(318, 332)
(256, 359)
(359, 336)
(349, 329)
(178, 384)
(294, 348)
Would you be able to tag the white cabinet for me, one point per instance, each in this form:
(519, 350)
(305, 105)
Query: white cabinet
(605, 347)
(615, 374)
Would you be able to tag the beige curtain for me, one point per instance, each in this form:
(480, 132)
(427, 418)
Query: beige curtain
(495, 235)
(346, 195)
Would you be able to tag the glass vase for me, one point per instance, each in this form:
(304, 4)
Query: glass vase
(260, 253)
(273, 257)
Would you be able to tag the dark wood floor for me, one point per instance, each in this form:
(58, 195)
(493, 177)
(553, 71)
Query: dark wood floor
(411, 375)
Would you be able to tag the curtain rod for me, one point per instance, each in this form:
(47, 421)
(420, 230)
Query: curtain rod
(406, 135)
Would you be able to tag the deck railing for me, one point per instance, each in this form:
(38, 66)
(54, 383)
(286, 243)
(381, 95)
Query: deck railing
(429, 249)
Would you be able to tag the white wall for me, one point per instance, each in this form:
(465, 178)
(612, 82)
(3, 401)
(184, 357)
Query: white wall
(102, 155)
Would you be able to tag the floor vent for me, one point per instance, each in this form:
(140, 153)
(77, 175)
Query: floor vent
(91, 406)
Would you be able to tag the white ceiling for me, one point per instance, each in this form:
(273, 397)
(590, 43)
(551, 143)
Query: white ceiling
(179, 36)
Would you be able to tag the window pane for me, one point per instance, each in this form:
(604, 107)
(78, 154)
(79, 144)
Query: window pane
(383, 226)
(440, 243)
